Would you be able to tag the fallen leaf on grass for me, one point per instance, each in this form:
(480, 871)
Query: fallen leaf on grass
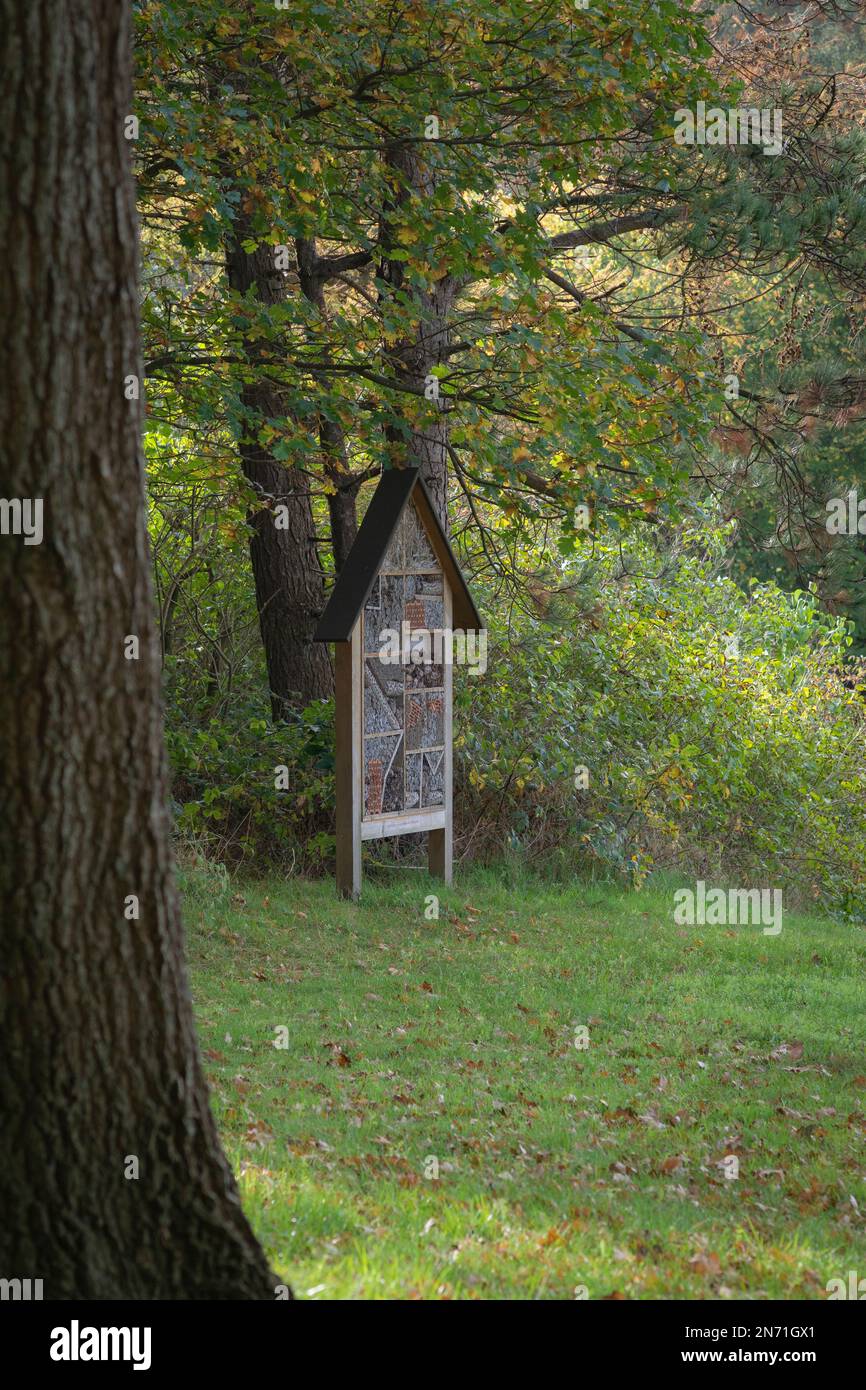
(258, 1134)
(620, 1116)
(618, 1168)
(552, 1236)
(651, 1118)
(623, 1115)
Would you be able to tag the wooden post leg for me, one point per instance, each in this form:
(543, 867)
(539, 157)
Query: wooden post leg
(348, 754)
(439, 842)
(348, 868)
(439, 853)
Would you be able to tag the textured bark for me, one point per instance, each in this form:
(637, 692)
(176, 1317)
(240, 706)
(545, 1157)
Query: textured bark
(413, 359)
(290, 591)
(343, 511)
(99, 1057)
(342, 501)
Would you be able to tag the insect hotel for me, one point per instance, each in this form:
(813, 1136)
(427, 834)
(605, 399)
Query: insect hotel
(398, 602)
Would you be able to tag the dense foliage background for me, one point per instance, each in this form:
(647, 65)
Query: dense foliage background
(632, 368)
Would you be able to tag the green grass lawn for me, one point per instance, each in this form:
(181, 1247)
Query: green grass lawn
(414, 1045)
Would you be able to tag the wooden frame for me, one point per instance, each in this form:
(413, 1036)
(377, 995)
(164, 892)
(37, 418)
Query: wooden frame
(349, 745)
(352, 825)
(408, 569)
(440, 839)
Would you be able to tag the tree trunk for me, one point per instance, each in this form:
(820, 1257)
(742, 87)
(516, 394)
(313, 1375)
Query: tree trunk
(413, 359)
(343, 511)
(290, 591)
(342, 501)
(100, 1072)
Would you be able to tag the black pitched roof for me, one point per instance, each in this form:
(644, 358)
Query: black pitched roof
(364, 560)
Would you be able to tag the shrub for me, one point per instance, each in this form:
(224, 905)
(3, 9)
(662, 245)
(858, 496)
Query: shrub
(715, 725)
(225, 793)
(716, 732)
